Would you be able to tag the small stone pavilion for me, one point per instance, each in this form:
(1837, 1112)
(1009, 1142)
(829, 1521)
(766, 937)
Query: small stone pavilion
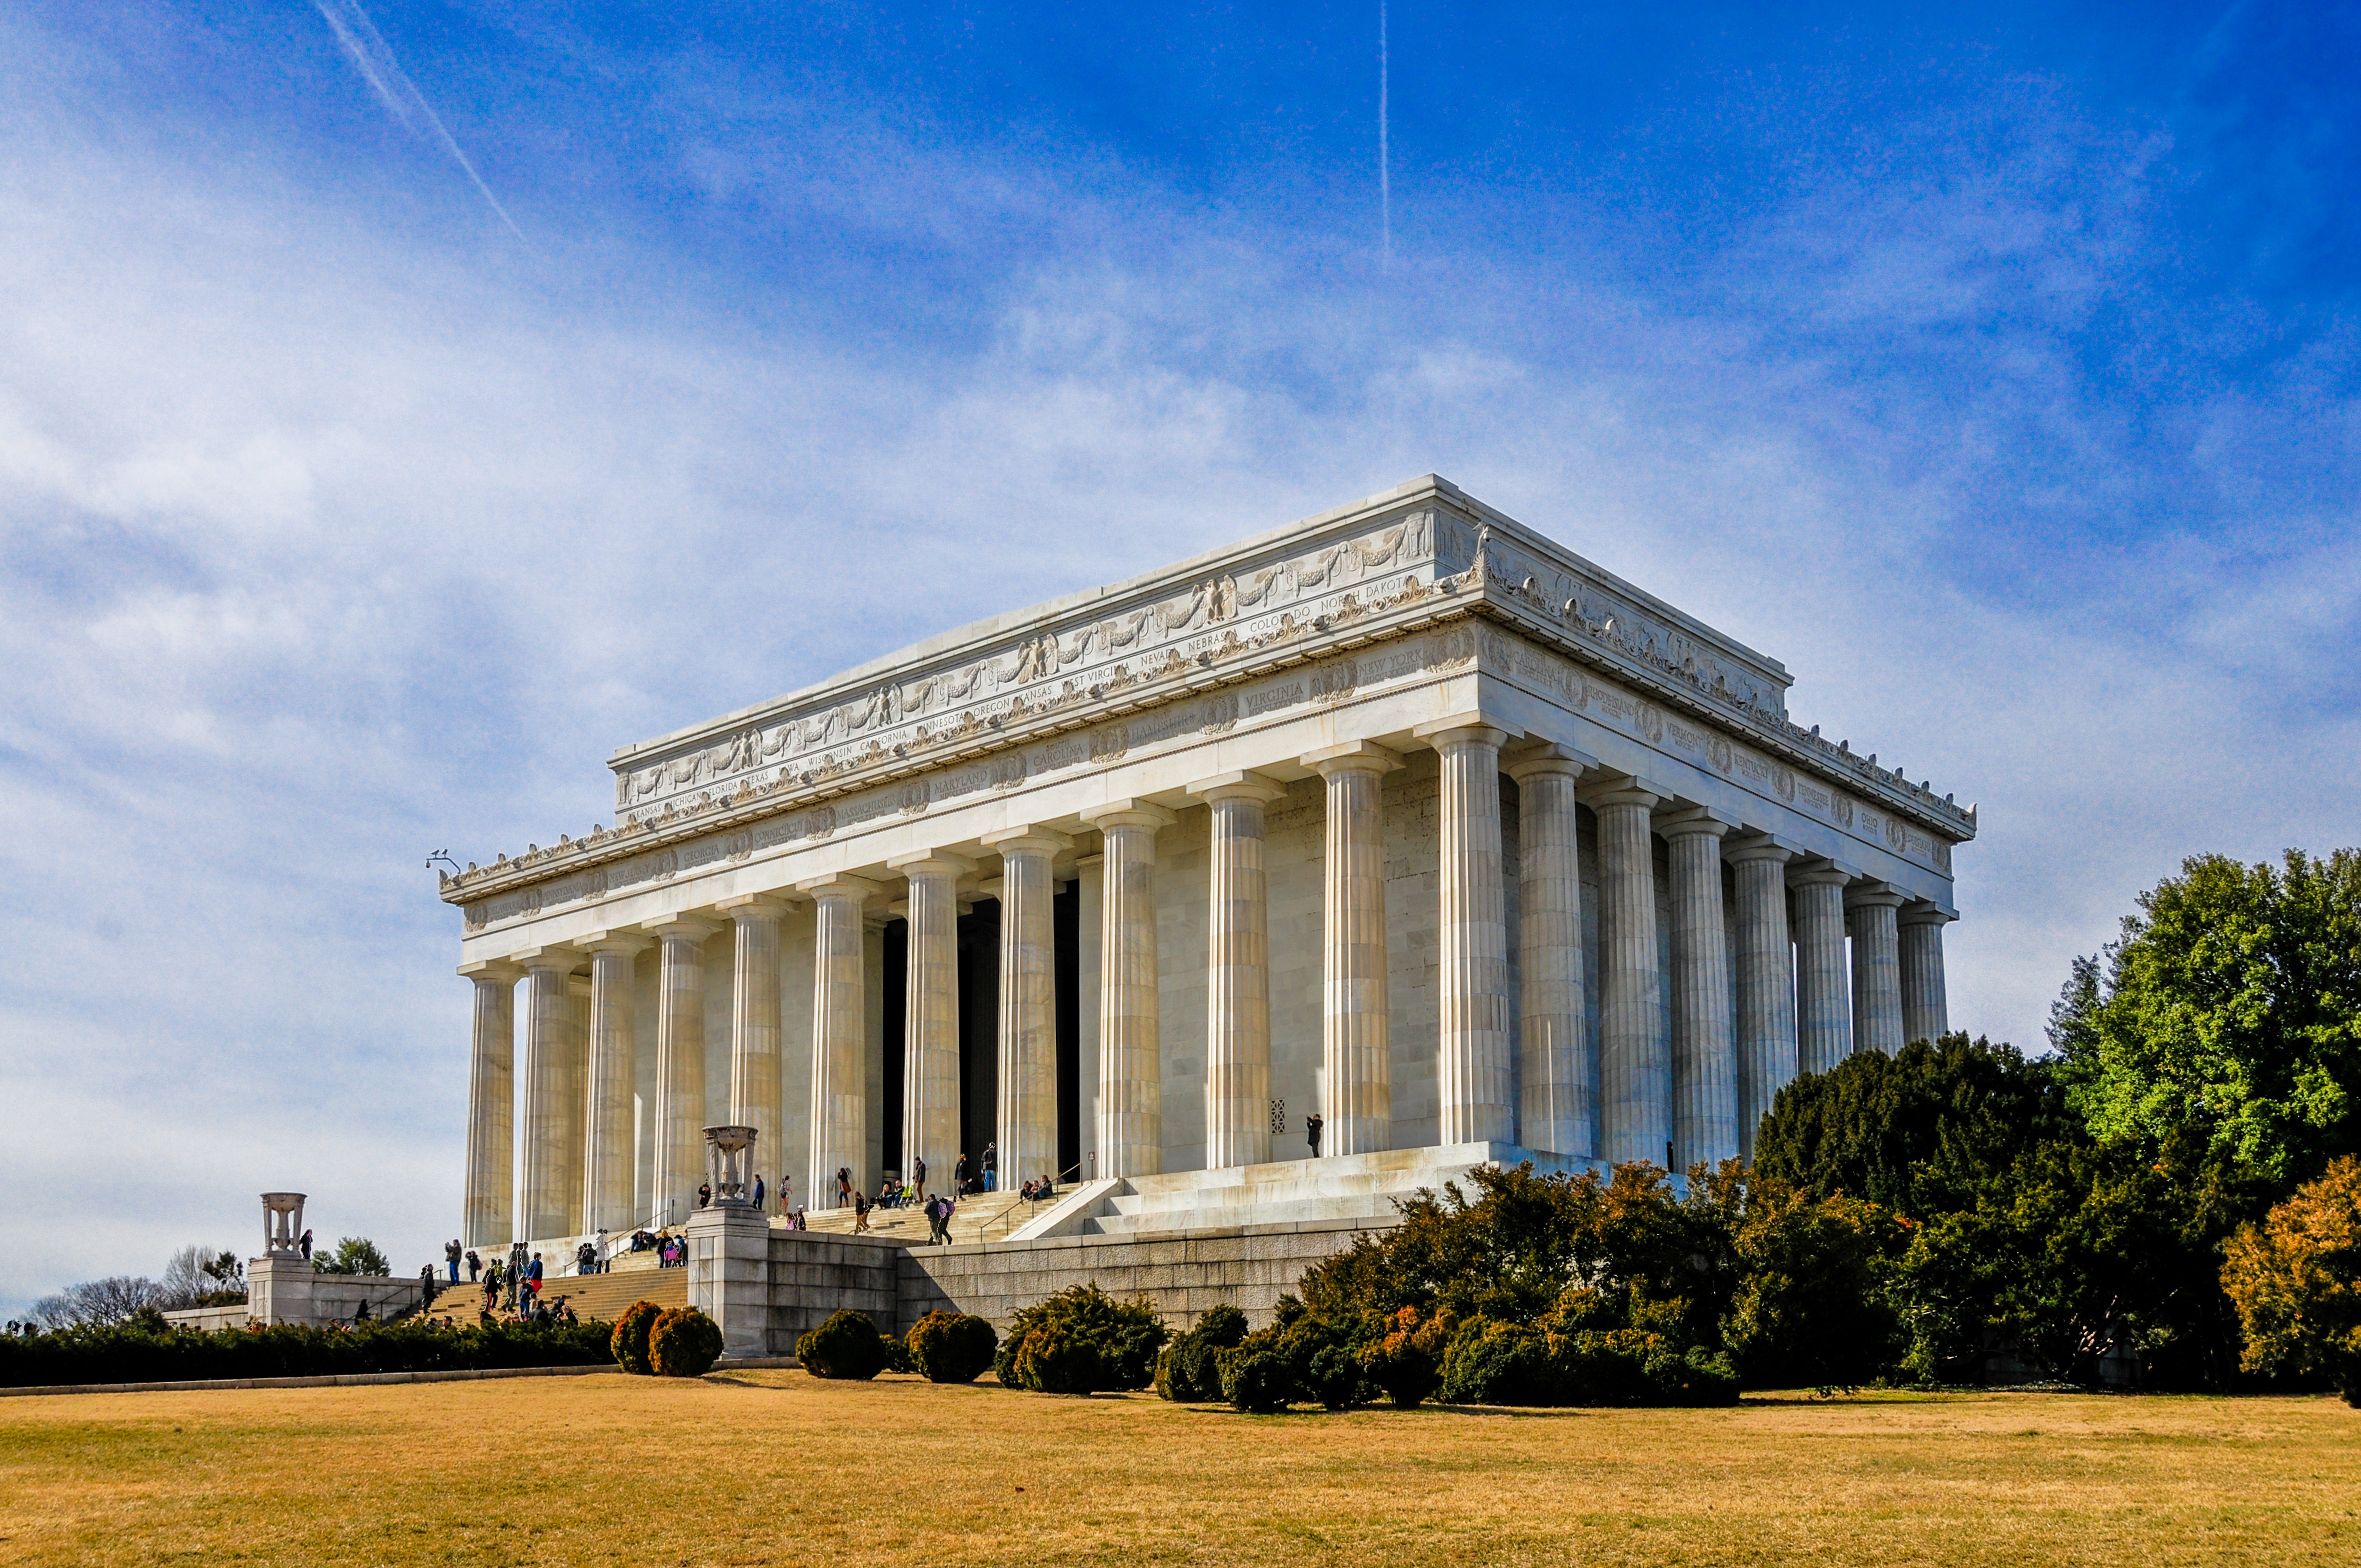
(1403, 815)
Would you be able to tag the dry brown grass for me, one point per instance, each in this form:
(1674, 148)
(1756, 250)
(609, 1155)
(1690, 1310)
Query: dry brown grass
(776, 1467)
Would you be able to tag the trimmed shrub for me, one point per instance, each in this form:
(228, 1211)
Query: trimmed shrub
(847, 1347)
(630, 1342)
(683, 1343)
(1257, 1377)
(1334, 1379)
(951, 1347)
(1058, 1358)
(1493, 1362)
(129, 1353)
(1633, 1366)
(1124, 1336)
(897, 1353)
(1187, 1371)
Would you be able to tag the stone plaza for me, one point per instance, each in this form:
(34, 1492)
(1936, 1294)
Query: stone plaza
(1405, 816)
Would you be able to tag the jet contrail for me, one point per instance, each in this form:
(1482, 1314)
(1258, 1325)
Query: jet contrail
(384, 74)
(1384, 178)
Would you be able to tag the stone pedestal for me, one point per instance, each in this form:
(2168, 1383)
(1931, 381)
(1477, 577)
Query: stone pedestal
(278, 1291)
(730, 1276)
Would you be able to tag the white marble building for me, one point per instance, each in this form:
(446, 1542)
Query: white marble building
(1402, 814)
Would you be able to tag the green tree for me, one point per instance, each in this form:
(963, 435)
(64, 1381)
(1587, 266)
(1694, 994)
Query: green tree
(2232, 1004)
(354, 1254)
(2297, 1282)
(1917, 1133)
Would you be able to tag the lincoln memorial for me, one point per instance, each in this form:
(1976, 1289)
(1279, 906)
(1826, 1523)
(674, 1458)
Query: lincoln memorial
(1402, 815)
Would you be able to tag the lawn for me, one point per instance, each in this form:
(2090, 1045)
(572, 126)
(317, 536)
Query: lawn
(777, 1467)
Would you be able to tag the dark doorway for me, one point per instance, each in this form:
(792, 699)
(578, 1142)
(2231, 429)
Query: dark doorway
(979, 1030)
(897, 1034)
(1066, 930)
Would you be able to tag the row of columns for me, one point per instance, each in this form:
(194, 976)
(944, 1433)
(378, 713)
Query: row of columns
(1858, 967)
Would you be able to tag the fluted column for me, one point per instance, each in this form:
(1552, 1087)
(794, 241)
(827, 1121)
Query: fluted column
(1766, 984)
(1926, 1012)
(487, 1218)
(1877, 967)
(1027, 1118)
(1237, 973)
(543, 1200)
(1823, 968)
(680, 1067)
(607, 1156)
(1472, 1072)
(1705, 1055)
(930, 1066)
(1560, 1065)
(1635, 1071)
(574, 1130)
(755, 1026)
(1131, 1077)
(839, 1076)
(1356, 1013)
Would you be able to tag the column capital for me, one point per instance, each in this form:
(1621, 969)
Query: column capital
(1474, 728)
(1130, 814)
(680, 928)
(597, 942)
(754, 907)
(1551, 760)
(930, 862)
(557, 956)
(1352, 757)
(858, 888)
(1820, 872)
(1622, 789)
(492, 971)
(1238, 786)
(1693, 821)
(1871, 895)
(1027, 840)
(1748, 846)
(1924, 912)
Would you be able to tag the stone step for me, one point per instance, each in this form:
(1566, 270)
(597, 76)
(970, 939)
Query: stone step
(1378, 1209)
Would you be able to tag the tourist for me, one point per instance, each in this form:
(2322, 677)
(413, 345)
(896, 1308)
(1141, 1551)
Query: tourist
(860, 1213)
(1047, 1188)
(758, 1192)
(1312, 1125)
(843, 1187)
(786, 1194)
(586, 1258)
(360, 1314)
(991, 1167)
(492, 1286)
(1026, 1191)
(451, 1250)
(703, 1194)
(532, 1277)
(306, 1244)
(918, 1177)
(959, 1172)
(475, 1265)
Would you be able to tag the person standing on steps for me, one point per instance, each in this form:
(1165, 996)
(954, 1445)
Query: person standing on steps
(475, 1265)
(758, 1192)
(306, 1244)
(860, 1213)
(991, 1167)
(1312, 1127)
(843, 1186)
(918, 1178)
(451, 1250)
(959, 1173)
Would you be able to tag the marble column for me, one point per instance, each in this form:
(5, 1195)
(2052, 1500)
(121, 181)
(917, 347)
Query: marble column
(1556, 1113)
(839, 1076)
(1705, 1055)
(1766, 984)
(1131, 1078)
(1027, 1114)
(1237, 973)
(1926, 1010)
(1635, 1069)
(1877, 967)
(544, 1204)
(930, 1052)
(574, 1130)
(487, 1218)
(754, 1028)
(1472, 1072)
(1823, 968)
(606, 1154)
(1357, 1108)
(680, 1067)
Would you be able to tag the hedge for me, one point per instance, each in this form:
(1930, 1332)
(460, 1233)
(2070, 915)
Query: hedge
(156, 1351)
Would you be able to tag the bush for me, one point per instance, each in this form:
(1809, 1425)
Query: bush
(1257, 1377)
(1334, 1379)
(1123, 1336)
(2297, 1282)
(847, 1347)
(147, 1352)
(1492, 1363)
(1187, 1371)
(683, 1343)
(629, 1342)
(951, 1347)
(897, 1353)
(1406, 1359)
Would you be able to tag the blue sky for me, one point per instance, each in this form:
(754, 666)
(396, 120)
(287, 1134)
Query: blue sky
(1998, 373)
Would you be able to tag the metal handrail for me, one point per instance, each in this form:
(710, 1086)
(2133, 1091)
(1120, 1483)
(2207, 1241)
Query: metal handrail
(1026, 1209)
